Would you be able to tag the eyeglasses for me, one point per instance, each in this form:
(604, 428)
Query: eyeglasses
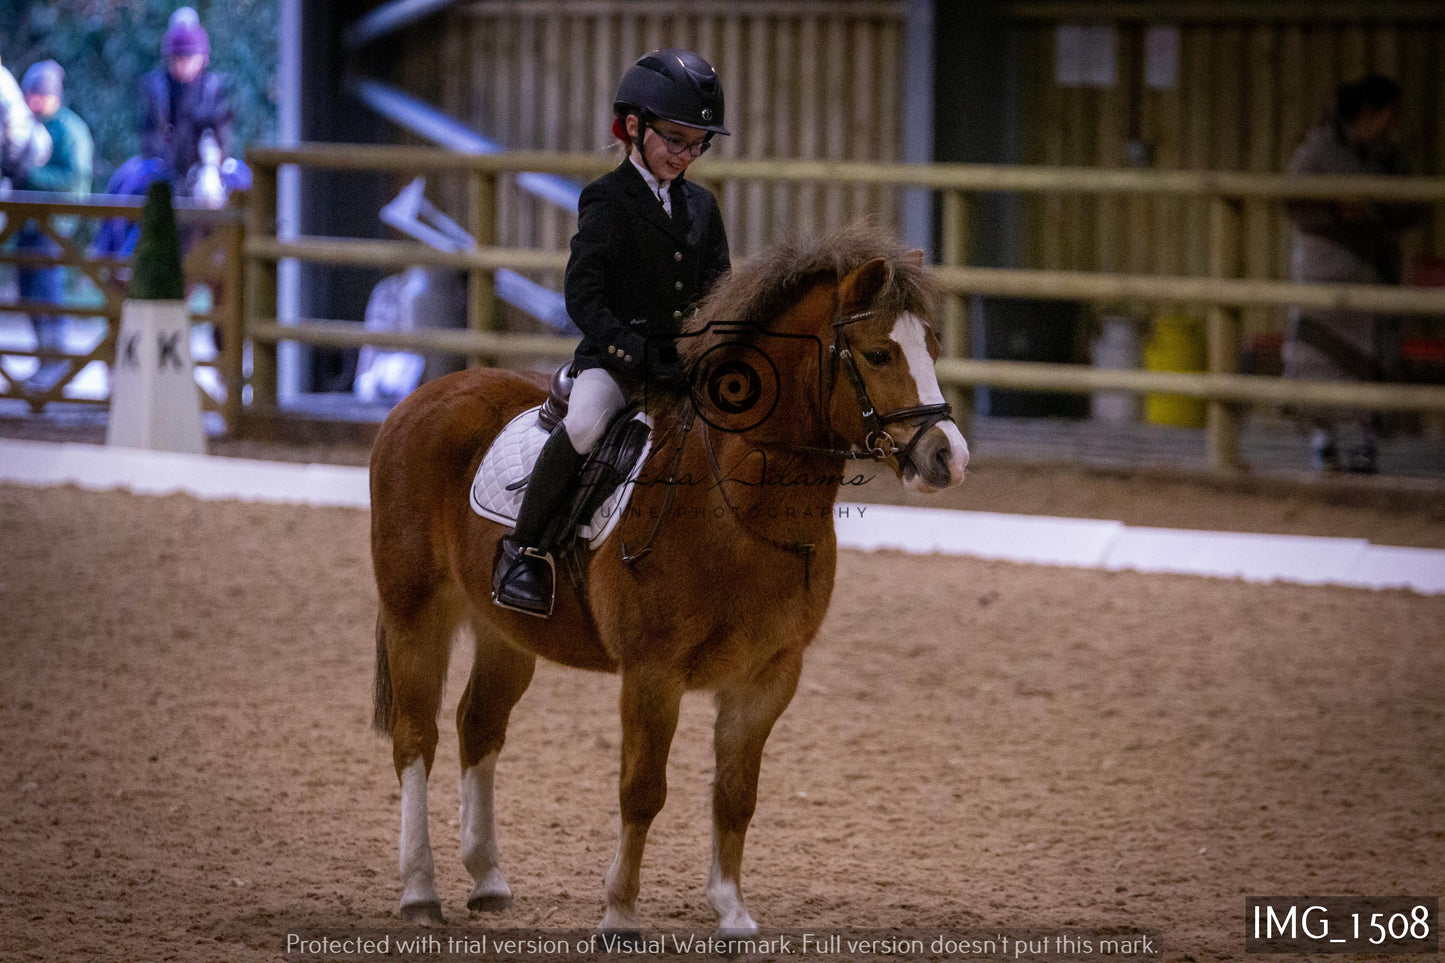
(676, 145)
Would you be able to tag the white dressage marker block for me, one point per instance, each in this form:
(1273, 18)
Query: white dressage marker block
(154, 401)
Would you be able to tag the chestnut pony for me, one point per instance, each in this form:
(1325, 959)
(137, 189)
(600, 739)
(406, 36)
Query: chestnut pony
(716, 578)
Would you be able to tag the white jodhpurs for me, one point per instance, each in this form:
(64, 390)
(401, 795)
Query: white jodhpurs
(595, 399)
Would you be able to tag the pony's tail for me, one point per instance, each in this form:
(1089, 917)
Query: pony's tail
(381, 707)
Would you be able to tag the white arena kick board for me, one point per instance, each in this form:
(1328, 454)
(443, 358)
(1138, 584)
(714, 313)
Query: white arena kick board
(1029, 539)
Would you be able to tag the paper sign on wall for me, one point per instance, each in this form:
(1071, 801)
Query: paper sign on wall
(1161, 57)
(1086, 55)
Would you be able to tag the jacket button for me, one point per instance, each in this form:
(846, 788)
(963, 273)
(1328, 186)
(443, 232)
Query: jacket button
(677, 315)
(677, 256)
(612, 349)
(678, 285)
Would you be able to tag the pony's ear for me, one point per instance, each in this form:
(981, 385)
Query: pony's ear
(915, 257)
(859, 288)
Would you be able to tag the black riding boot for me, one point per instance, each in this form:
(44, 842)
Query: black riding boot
(524, 577)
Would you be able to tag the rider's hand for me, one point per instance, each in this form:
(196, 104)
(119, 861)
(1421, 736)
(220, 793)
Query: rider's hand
(664, 368)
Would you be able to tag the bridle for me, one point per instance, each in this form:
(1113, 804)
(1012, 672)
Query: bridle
(879, 444)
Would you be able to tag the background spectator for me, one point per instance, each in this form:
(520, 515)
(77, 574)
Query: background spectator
(1349, 242)
(67, 172)
(23, 142)
(183, 99)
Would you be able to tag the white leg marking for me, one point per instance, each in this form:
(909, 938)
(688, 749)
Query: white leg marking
(623, 881)
(727, 901)
(908, 333)
(479, 837)
(418, 875)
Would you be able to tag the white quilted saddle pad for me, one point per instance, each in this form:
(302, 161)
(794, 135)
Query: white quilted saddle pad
(510, 460)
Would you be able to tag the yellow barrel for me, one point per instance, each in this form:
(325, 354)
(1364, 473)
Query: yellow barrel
(1176, 344)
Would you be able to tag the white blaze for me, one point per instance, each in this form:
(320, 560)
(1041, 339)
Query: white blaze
(911, 336)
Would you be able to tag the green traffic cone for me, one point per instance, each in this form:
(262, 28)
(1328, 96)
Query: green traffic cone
(156, 264)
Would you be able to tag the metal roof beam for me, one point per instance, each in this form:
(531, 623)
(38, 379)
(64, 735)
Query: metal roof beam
(389, 18)
(442, 129)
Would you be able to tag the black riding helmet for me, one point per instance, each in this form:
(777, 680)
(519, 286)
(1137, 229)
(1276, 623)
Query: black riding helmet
(675, 85)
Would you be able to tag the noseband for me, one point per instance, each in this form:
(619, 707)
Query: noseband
(878, 444)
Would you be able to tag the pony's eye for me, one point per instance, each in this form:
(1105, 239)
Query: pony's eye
(878, 358)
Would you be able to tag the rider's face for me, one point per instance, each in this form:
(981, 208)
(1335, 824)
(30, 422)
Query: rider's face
(43, 106)
(660, 160)
(186, 68)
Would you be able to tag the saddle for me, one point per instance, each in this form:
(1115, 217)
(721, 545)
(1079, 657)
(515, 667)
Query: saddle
(604, 483)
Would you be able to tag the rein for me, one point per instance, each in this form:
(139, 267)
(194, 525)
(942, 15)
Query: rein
(632, 558)
(803, 550)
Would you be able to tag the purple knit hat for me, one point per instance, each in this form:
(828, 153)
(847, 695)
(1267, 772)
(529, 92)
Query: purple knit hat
(45, 77)
(185, 35)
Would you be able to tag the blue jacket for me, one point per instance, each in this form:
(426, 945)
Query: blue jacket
(175, 138)
(71, 164)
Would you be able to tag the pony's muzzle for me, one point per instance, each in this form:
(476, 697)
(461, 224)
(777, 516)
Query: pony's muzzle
(939, 460)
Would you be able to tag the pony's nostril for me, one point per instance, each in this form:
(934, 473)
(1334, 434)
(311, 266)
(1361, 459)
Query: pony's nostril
(941, 460)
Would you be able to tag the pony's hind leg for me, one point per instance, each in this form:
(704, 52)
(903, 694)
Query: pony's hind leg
(500, 674)
(412, 648)
(745, 715)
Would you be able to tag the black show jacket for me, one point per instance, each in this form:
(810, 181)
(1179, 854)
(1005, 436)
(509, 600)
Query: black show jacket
(635, 273)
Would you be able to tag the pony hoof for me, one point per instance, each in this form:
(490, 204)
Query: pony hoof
(489, 903)
(423, 914)
(622, 941)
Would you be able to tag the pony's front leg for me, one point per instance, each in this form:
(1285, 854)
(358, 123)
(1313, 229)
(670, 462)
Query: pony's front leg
(746, 712)
(500, 674)
(649, 706)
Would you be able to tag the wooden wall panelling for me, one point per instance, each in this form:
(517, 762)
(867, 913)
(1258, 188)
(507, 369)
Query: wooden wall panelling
(1436, 157)
(1291, 126)
(1037, 74)
(502, 128)
(810, 91)
(836, 116)
(1076, 126)
(552, 66)
(1354, 55)
(888, 106)
(784, 121)
(1384, 42)
(1165, 111)
(732, 62)
(1201, 134)
(754, 67)
(1260, 105)
(1137, 257)
(863, 132)
(1109, 244)
(1053, 119)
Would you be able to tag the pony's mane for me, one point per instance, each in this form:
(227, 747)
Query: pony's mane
(761, 290)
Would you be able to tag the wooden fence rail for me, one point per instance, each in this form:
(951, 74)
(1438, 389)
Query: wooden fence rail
(214, 258)
(1222, 293)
